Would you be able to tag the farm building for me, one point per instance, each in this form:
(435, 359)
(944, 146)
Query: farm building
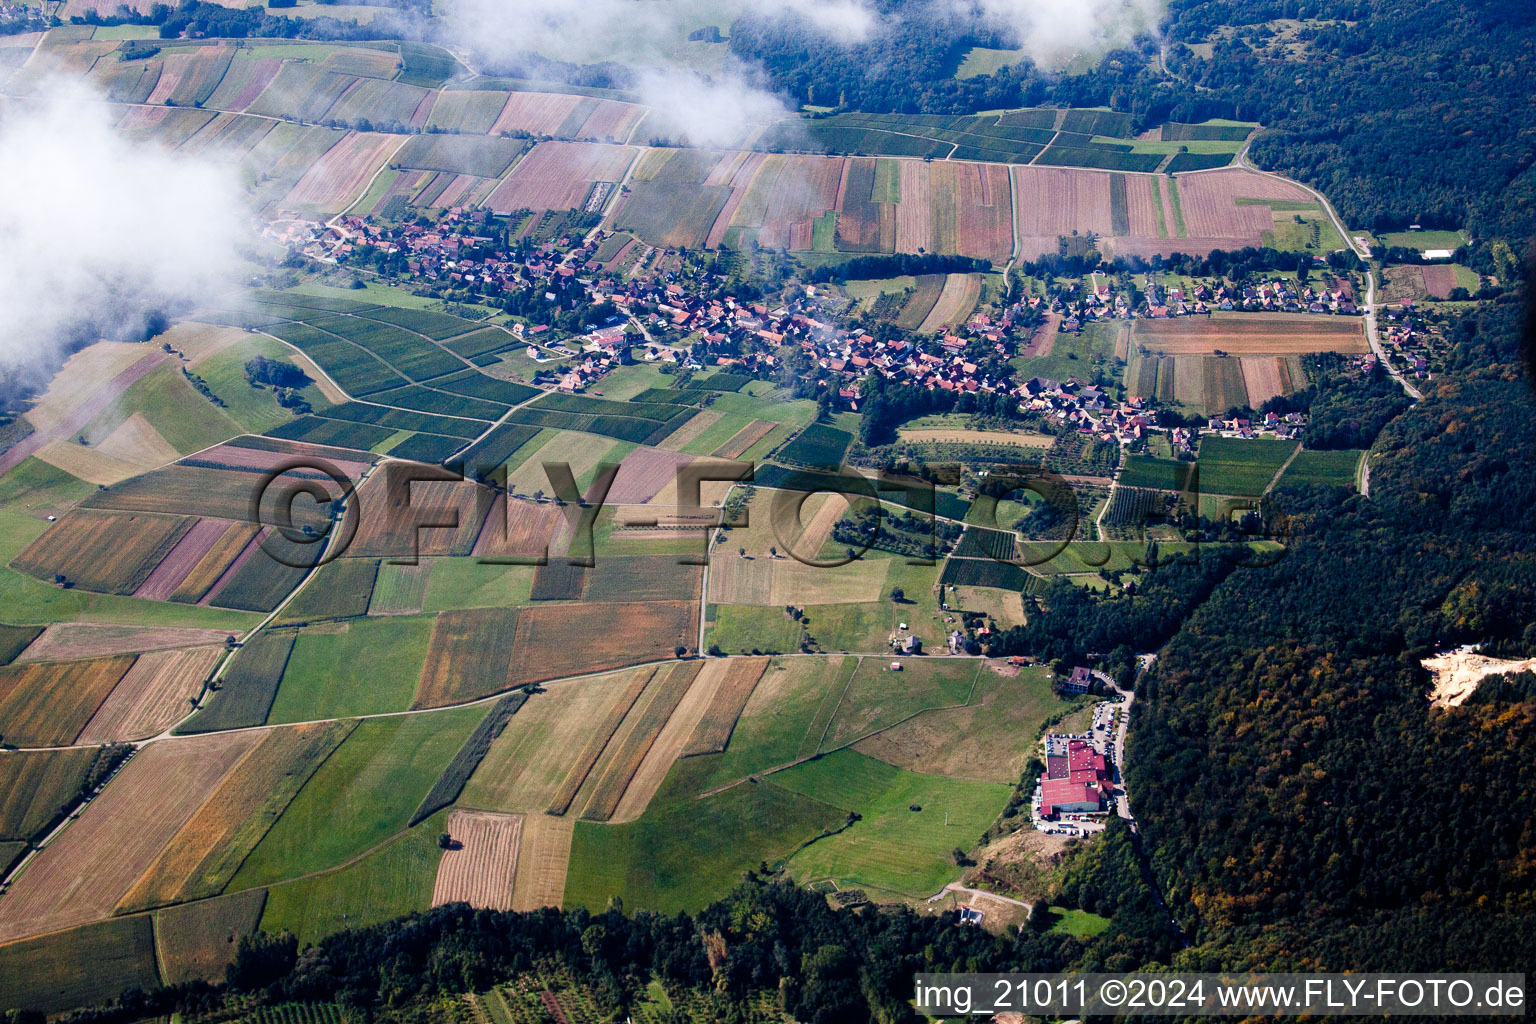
(1076, 781)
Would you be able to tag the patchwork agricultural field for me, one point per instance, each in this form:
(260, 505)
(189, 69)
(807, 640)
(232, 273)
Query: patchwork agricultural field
(248, 728)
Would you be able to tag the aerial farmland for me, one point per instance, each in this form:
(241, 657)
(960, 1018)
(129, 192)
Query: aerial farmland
(640, 477)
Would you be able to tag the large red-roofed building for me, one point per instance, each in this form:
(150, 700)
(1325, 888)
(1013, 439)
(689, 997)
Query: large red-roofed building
(1077, 782)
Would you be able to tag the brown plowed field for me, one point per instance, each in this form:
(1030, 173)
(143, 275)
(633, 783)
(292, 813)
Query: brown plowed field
(482, 870)
(517, 529)
(1262, 379)
(83, 873)
(742, 174)
(643, 473)
(537, 113)
(180, 560)
(470, 655)
(403, 514)
(341, 174)
(566, 640)
(153, 696)
(231, 565)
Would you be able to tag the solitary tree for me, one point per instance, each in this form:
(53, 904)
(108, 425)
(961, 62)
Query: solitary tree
(898, 595)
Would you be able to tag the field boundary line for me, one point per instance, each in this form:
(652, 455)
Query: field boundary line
(1281, 471)
(850, 743)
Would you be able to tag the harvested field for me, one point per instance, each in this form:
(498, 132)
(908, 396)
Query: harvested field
(960, 295)
(1244, 335)
(71, 640)
(48, 704)
(408, 510)
(612, 121)
(83, 873)
(775, 582)
(559, 176)
(515, 528)
(340, 175)
(563, 640)
(197, 941)
(637, 745)
(482, 869)
(543, 856)
(601, 735)
(743, 439)
(690, 430)
(110, 552)
(1211, 211)
(538, 113)
(645, 472)
(470, 656)
(738, 173)
(733, 680)
(537, 748)
(208, 850)
(1058, 201)
(152, 696)
(243, 82)
(166, 577)
(212, 567)
(1263, 378)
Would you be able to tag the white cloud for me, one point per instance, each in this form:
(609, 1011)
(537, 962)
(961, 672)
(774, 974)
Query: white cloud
(716, 112)
(1054, 30)
(641, 33)
(97, 229)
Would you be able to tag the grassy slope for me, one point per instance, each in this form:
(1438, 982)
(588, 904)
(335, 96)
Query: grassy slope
(361, 796)
(370, 668)
(894, 848)
(392, 881)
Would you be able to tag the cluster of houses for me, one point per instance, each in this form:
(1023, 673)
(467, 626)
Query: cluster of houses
(1279, 295)
(1406, 334)
(655, 307)
(1285, 427)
